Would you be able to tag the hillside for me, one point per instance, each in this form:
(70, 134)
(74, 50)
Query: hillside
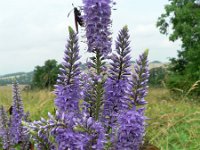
(21, 77)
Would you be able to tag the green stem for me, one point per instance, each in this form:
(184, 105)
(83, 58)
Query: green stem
(98, 86)
(98, 63)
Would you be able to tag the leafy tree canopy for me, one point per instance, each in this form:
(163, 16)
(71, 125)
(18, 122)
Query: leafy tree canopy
(183, 16)
(45, 76)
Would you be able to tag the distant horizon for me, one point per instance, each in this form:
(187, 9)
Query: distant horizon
(58, 62)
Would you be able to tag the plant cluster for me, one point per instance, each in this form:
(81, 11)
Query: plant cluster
(103, 109)
(12, 133)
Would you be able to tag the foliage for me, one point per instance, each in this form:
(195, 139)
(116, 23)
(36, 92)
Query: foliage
(45, 76)
(184, 18)
(157, 76)
(181, 88)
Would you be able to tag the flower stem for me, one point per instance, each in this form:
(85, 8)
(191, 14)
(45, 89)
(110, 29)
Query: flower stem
(99, 87)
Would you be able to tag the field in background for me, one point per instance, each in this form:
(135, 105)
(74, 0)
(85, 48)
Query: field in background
(173, 125)
(38, 103)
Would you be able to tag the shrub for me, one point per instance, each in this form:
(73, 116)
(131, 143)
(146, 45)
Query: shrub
(157, 76)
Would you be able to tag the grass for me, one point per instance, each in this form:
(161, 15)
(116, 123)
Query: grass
(38, 102)
(173, 125)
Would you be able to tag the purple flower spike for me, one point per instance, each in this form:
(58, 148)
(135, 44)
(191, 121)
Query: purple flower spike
(131, 130)
(68, 89)
(140, 79)
(84, 133)
(16, 128)
(120, 65)
(97, 22)
(98, 135)
(95, 132)
(12, 132)
(117, 86)
(4, 129)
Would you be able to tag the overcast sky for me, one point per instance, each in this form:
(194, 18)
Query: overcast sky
(32, 31)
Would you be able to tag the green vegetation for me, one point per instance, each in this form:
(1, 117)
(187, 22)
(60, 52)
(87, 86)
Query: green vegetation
(157, 76)
(37, 102)
(173, 125)
(184, 18)
(45, 76)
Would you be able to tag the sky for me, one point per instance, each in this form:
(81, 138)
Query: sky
(33, 31)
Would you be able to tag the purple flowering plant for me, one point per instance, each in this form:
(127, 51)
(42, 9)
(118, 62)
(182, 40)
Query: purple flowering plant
(13, 135)
(99, 109)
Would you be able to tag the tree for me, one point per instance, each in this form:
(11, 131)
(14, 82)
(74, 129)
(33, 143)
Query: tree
(183, 17)
(45, 76)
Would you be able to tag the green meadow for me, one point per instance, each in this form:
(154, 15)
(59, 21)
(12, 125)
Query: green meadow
(171, 125)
